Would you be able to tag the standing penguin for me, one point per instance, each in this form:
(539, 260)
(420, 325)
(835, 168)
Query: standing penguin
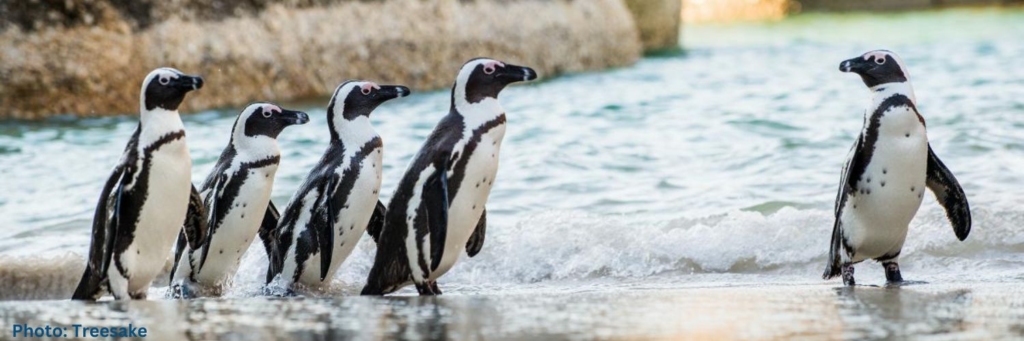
(438, 208)
(886, 173)
(144, 202)
(329, 213)
(236, 198)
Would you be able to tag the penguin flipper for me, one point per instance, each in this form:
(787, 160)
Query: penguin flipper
(195, 227)
(435, 197)
(325, 234)
(212, 214)
(179, 249)
(949, 194)
(376, 224)
(476, 240)
(852, 170)
(268, 233)
(104, 234)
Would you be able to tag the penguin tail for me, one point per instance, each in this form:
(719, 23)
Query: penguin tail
(89, 287)
(387, 275)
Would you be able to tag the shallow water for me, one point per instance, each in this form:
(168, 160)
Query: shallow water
(722, 160)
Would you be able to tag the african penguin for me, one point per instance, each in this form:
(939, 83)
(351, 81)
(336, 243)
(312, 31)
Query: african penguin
(886, 173)
(144, 201)
(339, 199)
(438, 210)
(236, 196)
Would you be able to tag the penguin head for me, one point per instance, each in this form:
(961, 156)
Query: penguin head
(877, 67)
(482, 78)
(165, 88)
(354, 99)
(267, 119)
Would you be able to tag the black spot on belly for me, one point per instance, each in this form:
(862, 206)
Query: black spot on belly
(869, 191)
(138, 252)
(350, 228)
(222, 251)
(908, 134)
(883, 183)
(474, 207)
(244, 204)
(885, 171)
(477, 184)
(246, 240)
(238, 251)
(912, 188)
(869, 180)
(266, 176)
(374, 191)
(243, 215)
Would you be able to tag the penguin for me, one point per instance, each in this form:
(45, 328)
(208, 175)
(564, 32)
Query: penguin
(438, 209)
(144, 202)
(339, 199)
(236, 197)
(886, 173)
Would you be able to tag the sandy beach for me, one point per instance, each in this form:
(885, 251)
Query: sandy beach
(939, 311)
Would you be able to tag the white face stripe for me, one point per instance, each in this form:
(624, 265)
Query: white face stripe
(463, 78)
(164, 72)
(341, 92)
(881, 55)
(252, 148)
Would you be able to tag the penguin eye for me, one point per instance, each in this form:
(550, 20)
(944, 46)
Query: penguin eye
(880, 60)
(365, 91)
(267, 113)
(489, 69)
(164, 80)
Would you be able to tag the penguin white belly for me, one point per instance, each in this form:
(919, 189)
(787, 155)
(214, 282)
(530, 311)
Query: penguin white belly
(238, 230)
(161, 216)
(468, 204)
(351, 221)
(876, 219)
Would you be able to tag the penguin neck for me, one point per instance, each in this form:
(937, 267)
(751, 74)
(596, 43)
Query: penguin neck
(254, 148)
(158, 122)
(354, 132)
(478, 113)
(882, 91)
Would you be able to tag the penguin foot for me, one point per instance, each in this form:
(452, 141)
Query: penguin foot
(848, 275)
(892, 272)
(428, 288)
(138, 295)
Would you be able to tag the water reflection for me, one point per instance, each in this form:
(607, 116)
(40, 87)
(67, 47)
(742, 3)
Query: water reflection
(899, 312)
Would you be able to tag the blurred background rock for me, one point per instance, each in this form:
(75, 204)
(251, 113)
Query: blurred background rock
(88, 57)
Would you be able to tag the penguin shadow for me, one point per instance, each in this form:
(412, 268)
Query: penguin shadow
(896, 311)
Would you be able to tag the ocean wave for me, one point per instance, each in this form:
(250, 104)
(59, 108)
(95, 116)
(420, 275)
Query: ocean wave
(565, 246)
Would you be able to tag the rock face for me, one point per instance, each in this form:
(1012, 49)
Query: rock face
(658, 21)
(88, 57)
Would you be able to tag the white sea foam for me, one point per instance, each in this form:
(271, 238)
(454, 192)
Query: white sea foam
(575, 247)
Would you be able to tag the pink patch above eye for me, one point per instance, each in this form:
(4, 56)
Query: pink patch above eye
(367, 86)
(491, 66)
(271, 108)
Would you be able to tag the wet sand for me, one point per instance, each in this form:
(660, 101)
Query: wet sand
(982, 311)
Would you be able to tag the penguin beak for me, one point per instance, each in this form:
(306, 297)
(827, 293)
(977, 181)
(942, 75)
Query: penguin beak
(857, 65)
(188, 82)
(515, 73)
(389, 92)
(292, 117)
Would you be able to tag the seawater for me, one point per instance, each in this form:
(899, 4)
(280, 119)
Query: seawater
(712, 165)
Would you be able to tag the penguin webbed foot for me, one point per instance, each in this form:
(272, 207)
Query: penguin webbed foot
(848, 275)
(428, 288)
(892, 273)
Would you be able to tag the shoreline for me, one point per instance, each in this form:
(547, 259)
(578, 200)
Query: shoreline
(964, 310)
